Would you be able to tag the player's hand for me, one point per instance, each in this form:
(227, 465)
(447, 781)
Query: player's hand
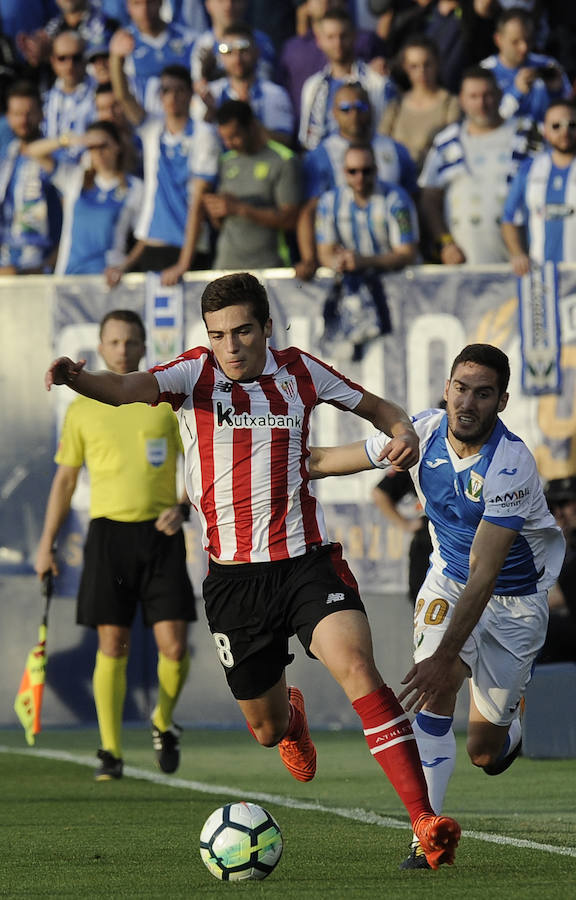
(520, 264)
(432, 677)
(305, 269)
(172, 274)
(122, 43)
(402, 451)
(45, 562)
(525, 79)
(170, 520)
(113, 275)
(63, 371)
(452, 255)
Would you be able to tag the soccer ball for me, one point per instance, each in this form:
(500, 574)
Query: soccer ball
(240, 842)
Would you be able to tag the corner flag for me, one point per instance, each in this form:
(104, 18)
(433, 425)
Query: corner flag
(28, 702)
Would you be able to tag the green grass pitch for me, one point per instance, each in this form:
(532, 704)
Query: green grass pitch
(65, 835)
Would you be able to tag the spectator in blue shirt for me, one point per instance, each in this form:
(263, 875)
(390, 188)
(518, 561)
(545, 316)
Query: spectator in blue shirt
(529, 81)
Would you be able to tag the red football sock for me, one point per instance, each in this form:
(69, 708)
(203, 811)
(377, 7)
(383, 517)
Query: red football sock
(391, 741)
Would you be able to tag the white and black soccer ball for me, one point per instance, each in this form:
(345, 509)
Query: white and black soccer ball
(240, 842)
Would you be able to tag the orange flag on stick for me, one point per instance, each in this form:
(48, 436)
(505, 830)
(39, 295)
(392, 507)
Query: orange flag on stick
(28, 702)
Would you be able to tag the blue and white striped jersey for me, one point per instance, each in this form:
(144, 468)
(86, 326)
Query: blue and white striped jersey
(323, 167)
(150, 55)
(499, 484)
(475, 172)
(387, 221)
(68, 112)
(542, 197)
(171, 162)
(270, 103)
(535, 103)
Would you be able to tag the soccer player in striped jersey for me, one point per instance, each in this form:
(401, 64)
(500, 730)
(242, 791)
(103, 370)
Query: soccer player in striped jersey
(539, 219)
(244, 412)
(481, 613)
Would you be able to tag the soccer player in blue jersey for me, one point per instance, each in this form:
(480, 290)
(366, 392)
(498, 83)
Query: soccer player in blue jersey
(529, 81)
(481, 613)
(539, 220)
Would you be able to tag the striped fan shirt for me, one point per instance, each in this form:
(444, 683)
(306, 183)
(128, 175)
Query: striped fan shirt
(246, 446)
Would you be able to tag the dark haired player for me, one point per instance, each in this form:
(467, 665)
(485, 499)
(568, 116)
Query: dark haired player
(244, 412)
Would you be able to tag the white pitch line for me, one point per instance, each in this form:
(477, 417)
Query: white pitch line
(357, 815)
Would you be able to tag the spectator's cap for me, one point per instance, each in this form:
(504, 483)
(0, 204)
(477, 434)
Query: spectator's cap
(94, 50)
(559, 489)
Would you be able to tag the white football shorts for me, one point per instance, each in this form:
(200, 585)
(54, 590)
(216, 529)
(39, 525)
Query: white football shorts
(501, 649)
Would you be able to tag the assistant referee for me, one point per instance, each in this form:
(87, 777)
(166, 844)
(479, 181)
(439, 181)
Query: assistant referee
(135, 549)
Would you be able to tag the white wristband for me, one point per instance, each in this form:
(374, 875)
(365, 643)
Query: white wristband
(374, 446)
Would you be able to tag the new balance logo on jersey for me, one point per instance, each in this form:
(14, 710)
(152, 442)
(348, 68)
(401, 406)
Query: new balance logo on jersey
(227, 416)
(436, 463)
(507, 471)
(334, 598)
(224, 386)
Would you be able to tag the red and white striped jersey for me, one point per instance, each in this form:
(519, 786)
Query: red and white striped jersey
(246, 447)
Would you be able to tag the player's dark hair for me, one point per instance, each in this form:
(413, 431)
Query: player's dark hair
(235, 111)
(175, 70)
(562, 104)
(512, 14)
(234, 290)
(239, 29)
(479, 72)
(24, 89)
(124, 315)
(111, 130)
(489, 356)
(420, 42)
(355, 86)
(338, 15)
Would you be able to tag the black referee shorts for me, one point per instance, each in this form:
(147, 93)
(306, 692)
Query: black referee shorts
(130, 562)
(253, 609)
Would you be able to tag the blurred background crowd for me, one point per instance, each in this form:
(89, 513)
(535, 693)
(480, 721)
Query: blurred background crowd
(362, 135)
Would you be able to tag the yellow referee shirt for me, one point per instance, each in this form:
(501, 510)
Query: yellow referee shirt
(130, 453)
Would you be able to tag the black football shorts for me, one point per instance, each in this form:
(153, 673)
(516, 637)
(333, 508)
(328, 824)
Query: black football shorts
(254, 608)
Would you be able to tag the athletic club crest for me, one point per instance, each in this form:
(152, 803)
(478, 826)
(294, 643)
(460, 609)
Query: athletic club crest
(474, 487)
(288, 387)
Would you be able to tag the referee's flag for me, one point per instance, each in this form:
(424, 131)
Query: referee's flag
(28, 702)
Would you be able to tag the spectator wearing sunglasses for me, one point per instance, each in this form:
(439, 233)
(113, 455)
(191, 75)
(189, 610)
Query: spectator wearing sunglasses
(69, 104)
(146, 47)
(365, 224)
(539, 220)
(323, 167)
(269, 102)
(335, 37)
(93, 25)
(207, 64)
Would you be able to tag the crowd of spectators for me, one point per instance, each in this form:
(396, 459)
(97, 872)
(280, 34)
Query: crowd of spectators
(218, 133)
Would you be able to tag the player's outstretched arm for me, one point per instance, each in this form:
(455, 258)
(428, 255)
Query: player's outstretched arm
(107, 387)
(344, 460)
(489, 550)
